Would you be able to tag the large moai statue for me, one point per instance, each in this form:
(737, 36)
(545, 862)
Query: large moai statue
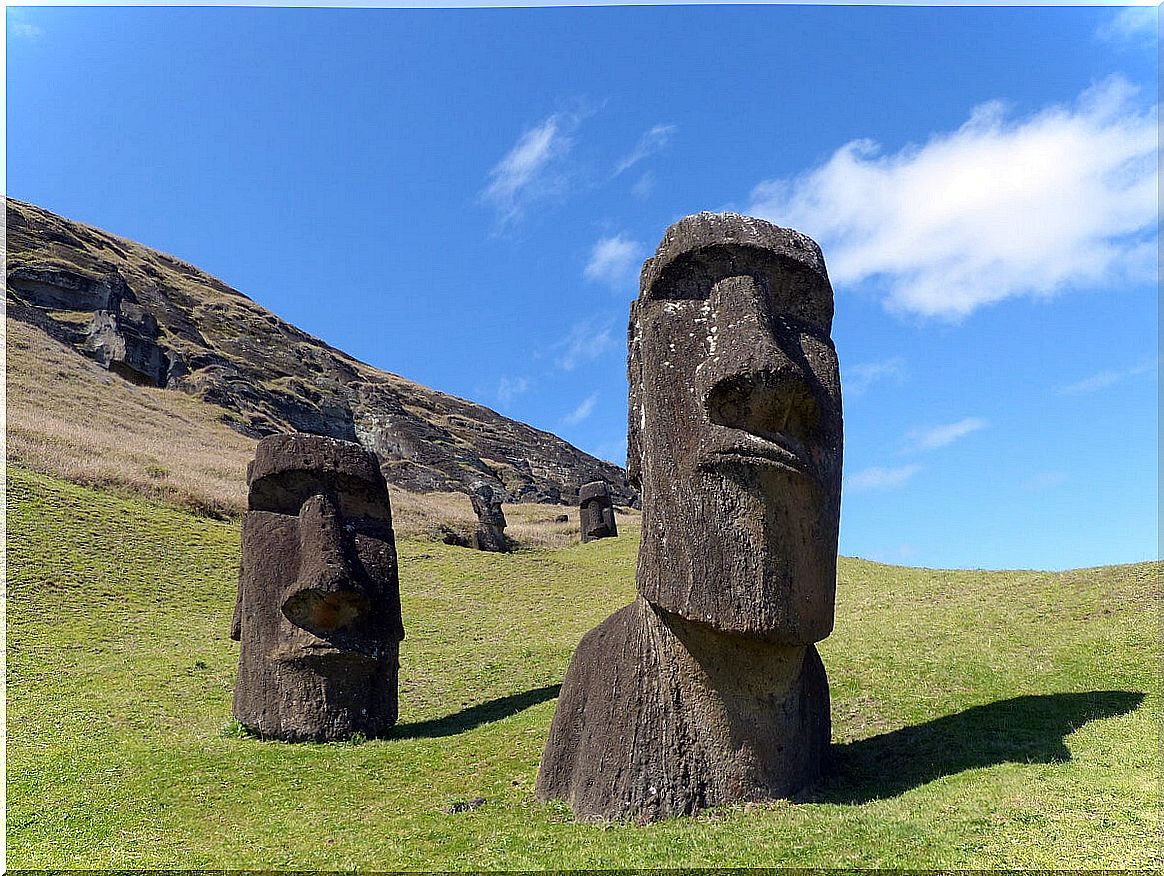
(596, 511)
(708, 689)
(490, 534)
(318, 609)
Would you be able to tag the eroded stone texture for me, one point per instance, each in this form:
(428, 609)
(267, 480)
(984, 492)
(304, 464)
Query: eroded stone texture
(121, 335)
(596, 511)
(490, 534)
(708, 689)
(318, 608)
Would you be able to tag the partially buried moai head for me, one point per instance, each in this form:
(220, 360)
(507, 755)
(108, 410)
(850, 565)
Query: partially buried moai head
(318, 610)
(596, 511)
(735, 428)
(487, 504)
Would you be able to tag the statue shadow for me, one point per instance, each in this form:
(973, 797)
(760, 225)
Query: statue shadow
(474, 716)
(1026, 729)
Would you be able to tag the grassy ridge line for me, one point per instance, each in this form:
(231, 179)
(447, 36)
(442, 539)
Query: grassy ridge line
(982, 719)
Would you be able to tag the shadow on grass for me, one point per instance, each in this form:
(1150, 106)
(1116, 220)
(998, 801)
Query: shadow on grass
(1028, 729)
(474, 716)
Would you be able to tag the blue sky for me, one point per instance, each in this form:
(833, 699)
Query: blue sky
(464, 197)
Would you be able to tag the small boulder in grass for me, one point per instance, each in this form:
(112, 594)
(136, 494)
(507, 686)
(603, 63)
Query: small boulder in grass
(465, 805)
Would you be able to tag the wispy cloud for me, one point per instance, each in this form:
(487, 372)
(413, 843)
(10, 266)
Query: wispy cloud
(509, 388)
(651, 142)
(614, 261)
(580, 413)
(879, 478)
(941, 436)
(531, 171)
(858, 378)
(998, 208)
(1133, 23)
(644, 186)
(585, 341)
(1109, 377)
(22, 29)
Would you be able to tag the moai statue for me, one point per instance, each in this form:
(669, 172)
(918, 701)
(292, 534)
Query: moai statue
(318, 609)
(490, 534)
(708, 689)
(596, 511)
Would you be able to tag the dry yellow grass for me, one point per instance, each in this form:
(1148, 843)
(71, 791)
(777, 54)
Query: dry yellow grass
(68, 417)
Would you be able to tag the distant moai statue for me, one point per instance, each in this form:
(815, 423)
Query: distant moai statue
(318, 608)
(708, 689)
(596, 511)
(490, 534)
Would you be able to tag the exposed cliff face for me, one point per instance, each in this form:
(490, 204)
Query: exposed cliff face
(158, 321)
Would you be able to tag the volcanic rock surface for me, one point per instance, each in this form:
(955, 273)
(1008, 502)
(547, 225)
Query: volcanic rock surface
(159, 321)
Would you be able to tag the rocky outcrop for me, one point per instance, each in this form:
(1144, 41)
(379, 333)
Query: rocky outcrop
(100, 316)
(159, 321)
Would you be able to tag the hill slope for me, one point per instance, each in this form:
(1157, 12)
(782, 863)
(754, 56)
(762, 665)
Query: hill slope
(981, 720)
(155, 320)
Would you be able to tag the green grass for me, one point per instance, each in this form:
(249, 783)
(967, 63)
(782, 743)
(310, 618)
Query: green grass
(982, 719)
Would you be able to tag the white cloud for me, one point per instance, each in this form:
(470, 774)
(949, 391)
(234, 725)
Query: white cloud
(999, 208)
(585, 341)
(644, 186)
(1109, 377)
(653, 141)
(940, 436)
(508, 388)
(614, 261)
(878, 478)
(858, 378)
(1132, 23)
(530, 170)
(24, 30)
(580, 413)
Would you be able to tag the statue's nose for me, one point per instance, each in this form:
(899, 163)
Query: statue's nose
(749, 381)
(327, 595)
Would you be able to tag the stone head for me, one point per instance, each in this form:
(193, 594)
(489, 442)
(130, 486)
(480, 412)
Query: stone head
(596, 511)
(318, 613)
(487, 505)
(735, 428)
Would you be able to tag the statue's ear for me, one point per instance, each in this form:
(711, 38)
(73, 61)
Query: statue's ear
(634, 408)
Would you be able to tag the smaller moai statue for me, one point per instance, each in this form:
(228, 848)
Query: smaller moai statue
(596, 511)
(490, 534)
(318, 608)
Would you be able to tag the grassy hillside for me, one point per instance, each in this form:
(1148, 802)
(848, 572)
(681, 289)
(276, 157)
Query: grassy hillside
(982, 719)
(70, 418)
(264, 375)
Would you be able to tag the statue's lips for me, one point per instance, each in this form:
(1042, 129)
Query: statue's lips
(322, 651)
(773, 451)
